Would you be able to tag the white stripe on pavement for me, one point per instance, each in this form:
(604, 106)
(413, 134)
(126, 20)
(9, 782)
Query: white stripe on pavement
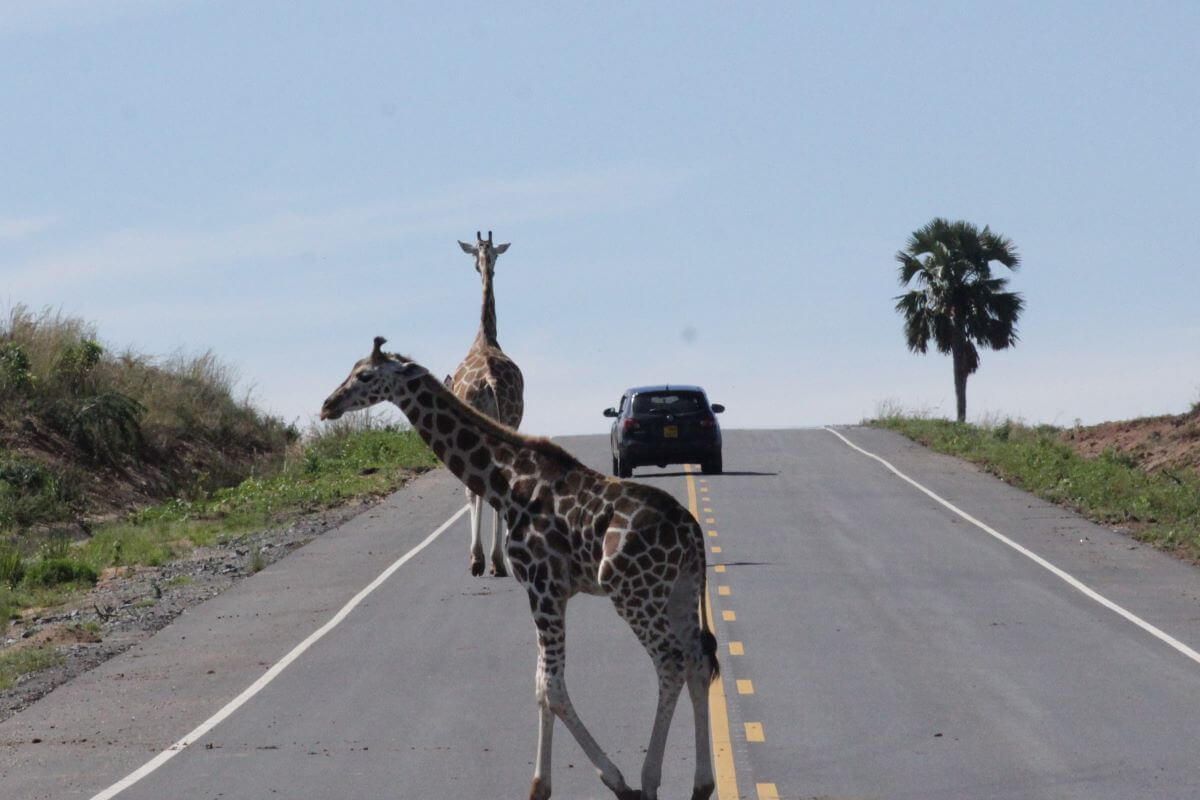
(272, 673)
(1041, 562)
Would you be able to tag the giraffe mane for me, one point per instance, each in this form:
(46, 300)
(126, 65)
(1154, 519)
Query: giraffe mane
(497, 429)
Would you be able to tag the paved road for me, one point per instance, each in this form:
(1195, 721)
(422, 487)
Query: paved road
(888, 649)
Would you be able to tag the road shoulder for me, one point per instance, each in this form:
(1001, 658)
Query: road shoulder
(1153, 585)
(106, 722)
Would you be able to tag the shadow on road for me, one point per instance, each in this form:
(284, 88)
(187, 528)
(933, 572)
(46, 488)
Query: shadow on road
(680, 474)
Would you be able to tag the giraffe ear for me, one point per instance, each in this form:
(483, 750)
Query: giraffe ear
(500, 248)
(467, 248)
(377, 353)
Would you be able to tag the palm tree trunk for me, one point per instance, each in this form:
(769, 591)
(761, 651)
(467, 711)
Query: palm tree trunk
(960, 378)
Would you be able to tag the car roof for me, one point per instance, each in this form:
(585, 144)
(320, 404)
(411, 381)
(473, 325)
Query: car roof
(664, 387)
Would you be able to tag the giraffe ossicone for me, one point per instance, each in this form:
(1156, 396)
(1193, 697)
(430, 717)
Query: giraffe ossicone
(571, 529)
(491, 382)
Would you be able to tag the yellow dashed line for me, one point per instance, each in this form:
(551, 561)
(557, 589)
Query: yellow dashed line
(724, 771)
(726, 776)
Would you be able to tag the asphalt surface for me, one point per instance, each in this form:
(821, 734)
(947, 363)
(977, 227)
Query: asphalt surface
(888, 649)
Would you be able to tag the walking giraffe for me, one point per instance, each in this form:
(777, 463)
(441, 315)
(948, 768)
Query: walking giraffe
(570, 529)
(488, 380)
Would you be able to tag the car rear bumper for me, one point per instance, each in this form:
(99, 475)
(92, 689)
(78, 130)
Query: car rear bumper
(634, 453)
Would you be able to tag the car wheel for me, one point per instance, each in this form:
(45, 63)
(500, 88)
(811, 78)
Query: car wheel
(616, 470)
(624, 470)
(712, 466)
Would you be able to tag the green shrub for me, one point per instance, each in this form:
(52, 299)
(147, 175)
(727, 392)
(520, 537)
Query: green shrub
(16, 370)
(75, 364)
(106, 426)
(29, 492)
(12, 566)
(58, 571)
(10, 607)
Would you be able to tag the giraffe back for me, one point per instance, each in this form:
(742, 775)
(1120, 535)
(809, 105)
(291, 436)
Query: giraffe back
(490, 382)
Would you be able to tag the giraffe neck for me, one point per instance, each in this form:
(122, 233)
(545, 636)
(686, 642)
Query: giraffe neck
(480, 452)
(487, 322)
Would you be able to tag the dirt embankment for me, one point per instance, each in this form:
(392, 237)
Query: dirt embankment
(1156, 444)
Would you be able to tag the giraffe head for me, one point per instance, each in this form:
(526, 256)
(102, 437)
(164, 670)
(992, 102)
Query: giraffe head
(378, 377)
(485, 253)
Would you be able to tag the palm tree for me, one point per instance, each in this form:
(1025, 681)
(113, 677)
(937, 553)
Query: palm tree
(957, 304)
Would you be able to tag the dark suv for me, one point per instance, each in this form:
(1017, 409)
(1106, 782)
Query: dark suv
(663, 425)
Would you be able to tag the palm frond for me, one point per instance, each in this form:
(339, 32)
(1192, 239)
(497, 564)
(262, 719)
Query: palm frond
(955, 294)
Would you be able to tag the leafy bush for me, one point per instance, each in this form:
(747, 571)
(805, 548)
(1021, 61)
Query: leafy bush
(29, 492)
(75, 363)
(16, 375)
(57, 571)
(12, 566)
(106, 427)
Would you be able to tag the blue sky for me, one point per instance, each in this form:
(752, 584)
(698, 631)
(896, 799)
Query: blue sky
(702, 193)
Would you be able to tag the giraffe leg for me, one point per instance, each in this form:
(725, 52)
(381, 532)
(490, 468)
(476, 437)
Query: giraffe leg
(553, 701)
(540, 788)
(678, 655)
(670, 683)
(498, 568)
(476, 503)
(666, 653)
(698, 682)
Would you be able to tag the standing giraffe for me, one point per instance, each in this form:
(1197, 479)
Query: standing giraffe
(489, 381)
(570, 529)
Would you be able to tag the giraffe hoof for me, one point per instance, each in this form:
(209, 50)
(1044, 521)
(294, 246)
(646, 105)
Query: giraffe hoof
(539, 790)
(629, 794)
(499, 571)
(702, 792)
(476, 567)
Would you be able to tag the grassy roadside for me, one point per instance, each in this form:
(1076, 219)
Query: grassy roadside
(339, 464)
(1160, 508)
(87, 431)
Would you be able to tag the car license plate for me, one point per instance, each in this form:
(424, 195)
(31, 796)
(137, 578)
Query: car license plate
(670, 431)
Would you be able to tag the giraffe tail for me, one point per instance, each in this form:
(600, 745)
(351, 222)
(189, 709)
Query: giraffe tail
(708, 641)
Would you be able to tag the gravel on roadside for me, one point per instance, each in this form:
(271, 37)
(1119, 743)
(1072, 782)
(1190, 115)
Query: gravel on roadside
(130, 604)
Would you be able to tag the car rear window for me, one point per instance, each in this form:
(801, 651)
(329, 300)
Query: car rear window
(669, 403)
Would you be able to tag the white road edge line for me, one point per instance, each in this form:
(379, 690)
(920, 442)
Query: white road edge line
(1041, 562)
(272, 673)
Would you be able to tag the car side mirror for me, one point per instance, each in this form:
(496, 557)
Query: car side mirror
(610, 412)
(717, 408)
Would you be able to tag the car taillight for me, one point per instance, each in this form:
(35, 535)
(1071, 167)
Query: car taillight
(707, 423)
(630, 425)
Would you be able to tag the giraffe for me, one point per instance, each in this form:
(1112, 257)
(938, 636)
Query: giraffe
(488, 380)
(570, 529)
